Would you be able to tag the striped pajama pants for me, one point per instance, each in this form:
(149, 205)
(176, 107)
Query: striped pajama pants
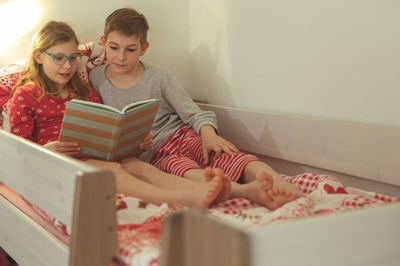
(183, 151)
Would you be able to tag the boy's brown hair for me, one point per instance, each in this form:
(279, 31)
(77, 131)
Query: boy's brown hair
(128, 22)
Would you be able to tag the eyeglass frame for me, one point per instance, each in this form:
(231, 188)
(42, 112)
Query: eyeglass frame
(66, 58)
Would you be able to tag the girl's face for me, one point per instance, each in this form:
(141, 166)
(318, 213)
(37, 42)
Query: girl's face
(55, 65)
(123, 53)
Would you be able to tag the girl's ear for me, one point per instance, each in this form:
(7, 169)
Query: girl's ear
(144, 48)
(38, 56)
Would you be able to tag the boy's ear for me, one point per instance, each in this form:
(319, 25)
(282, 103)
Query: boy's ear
(144, 48)
(38, 56)
(103, 41)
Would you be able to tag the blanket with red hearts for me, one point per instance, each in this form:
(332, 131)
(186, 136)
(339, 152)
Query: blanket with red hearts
(139, 223)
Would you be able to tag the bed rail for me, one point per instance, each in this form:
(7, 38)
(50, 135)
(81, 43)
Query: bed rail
(361, 150)
(80, 196)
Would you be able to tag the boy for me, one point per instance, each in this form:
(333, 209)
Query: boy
(185, 137)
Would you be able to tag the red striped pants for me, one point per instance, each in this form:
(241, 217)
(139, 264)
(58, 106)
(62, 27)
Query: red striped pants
(183, 151)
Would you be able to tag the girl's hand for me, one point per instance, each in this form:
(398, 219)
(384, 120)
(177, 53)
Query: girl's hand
(66, 148)
(213, 142)
(147, 144)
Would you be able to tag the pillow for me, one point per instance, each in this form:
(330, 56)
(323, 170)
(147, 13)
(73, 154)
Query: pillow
(4, 116)
(9, 76)
(93, 55)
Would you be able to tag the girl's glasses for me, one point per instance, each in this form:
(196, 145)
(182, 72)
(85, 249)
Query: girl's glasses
(60, 59)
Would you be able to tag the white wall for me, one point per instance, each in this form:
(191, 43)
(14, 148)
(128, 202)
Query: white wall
(168, 35)
(333, 59)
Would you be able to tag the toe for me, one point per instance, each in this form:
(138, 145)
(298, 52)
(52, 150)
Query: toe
(208, 173)
(271, 193)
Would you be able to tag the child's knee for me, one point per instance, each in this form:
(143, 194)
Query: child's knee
(116, 167)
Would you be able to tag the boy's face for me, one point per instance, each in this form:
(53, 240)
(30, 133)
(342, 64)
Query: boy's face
(123, 52)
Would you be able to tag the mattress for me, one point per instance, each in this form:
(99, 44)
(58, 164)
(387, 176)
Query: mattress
(140, 223)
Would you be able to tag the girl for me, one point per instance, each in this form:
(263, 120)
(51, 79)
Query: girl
(37, 107)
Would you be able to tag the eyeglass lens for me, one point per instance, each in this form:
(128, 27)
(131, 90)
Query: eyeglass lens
(62, 59)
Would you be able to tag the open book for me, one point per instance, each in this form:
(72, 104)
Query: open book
(105, 132)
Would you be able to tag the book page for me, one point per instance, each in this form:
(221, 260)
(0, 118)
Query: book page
(137, 104)
(97, 105)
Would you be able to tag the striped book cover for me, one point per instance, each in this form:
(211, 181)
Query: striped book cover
(105, 132)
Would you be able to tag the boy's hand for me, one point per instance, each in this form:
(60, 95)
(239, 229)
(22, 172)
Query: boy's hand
(147, 144)
(66, 148)
(213, 142)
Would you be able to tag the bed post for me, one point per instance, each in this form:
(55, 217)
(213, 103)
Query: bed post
(193, 238)
(93, 237)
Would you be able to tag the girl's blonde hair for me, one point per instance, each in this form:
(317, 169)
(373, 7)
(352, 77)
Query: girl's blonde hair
(51, 34)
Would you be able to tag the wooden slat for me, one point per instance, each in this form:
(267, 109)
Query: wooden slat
(77, 194)
(191, 238)
(359, 237)
(94, 234)
(173, 248)
(367, 237)
(362, 150)
(44, 178)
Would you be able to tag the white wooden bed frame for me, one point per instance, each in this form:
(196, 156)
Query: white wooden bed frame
(360, 155)
(78, 195)
(82, 197)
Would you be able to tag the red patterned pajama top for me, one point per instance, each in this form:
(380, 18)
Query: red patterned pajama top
(36, 117)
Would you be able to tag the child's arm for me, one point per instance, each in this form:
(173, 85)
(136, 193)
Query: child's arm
(22, 120)
(71, 148)
(147, 144)
(66, 148)
(180, 102)
(203, 122)
(213, 142)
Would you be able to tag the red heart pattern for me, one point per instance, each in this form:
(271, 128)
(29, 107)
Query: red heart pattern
(331, 190)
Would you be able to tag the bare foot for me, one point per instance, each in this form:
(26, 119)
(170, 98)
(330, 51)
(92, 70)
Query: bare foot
(225, 192)
(276, 197)
(288, 187)
(200, 196)
(251, 190)
(263, 192)
(281, 193)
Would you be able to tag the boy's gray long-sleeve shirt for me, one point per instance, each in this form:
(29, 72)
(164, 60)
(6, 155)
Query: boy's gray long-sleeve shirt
(176, 108)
